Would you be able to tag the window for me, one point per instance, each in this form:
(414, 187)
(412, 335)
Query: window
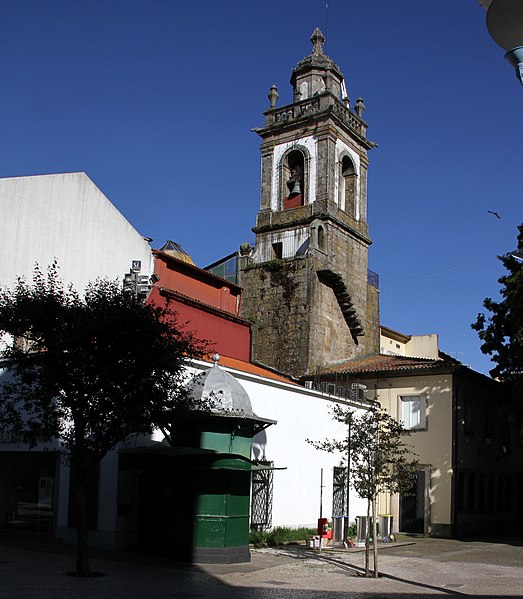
(277, 250)
(412, 412)
(467, 419)
(347, 188)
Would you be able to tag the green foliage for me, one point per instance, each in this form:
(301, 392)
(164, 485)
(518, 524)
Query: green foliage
(89, 370)
(85, 372)
(502, 332)
(280, 536)
(274, 265)
(258, 538)
(380, 460)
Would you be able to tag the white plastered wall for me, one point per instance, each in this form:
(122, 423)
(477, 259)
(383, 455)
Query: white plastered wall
(310, 144)
(67, 218)
(292, 241)
(301, 414)
(433, 446)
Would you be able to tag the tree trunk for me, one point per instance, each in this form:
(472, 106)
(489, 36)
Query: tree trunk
(367, 568)
(375, 538)
(82, 545)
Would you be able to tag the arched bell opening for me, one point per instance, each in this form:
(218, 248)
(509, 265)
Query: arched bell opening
(348, 187)
(293, 180)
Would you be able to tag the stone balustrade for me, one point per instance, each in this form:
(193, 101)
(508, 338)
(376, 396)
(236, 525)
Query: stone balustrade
(312, 106)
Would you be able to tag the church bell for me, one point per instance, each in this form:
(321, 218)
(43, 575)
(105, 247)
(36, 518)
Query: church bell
(296, 190)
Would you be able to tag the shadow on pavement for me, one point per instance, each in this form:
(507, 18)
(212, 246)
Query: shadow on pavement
(33, 567)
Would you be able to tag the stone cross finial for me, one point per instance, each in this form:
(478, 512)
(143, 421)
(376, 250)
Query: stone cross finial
(317, 40)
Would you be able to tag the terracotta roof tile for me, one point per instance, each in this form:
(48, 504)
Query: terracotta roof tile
(389, 363)
(249, 368)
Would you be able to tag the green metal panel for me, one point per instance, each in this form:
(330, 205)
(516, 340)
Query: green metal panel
(219, 441)
(228, 435)
(242, 445)
(210, 531)
(237, 531)
(238, 505)
(222, 512)
(226, 531)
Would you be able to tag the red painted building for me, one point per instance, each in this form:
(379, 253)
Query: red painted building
(208, 305)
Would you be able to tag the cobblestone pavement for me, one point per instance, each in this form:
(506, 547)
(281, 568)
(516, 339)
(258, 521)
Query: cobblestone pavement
(420, 568)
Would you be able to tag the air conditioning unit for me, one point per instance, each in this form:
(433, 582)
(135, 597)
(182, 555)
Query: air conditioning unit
(358, 392)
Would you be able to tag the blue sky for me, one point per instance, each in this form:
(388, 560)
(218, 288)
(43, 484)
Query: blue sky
(155, 100)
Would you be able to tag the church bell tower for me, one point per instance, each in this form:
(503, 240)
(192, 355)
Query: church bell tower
(306, 285)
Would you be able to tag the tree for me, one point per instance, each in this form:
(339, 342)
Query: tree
(87, 372)
(379, 460)
(502, 334)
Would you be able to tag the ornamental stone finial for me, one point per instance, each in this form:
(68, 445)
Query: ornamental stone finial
(245, 249)
(317, 40)
(273, 95)
(216, 359)
(360, 107)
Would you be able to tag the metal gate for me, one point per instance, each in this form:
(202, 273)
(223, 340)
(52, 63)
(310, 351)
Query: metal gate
(339, 491)
(261, 497)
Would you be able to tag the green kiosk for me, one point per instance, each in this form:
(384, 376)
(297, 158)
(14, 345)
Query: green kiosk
(194, 498)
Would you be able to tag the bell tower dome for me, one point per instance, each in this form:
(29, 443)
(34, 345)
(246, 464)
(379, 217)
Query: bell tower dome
(305, 283)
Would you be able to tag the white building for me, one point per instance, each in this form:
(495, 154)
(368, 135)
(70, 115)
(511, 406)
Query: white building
(62, 217)
(301, 414)
(66, 218)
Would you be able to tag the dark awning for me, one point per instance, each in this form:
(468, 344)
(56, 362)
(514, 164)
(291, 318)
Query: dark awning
(195, 458)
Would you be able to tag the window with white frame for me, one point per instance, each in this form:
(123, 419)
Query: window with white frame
(413, 412)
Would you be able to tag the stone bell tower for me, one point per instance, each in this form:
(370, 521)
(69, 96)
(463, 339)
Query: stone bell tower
(306, 284)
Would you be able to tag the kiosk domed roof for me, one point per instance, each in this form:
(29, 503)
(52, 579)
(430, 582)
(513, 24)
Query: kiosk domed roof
(222, 390)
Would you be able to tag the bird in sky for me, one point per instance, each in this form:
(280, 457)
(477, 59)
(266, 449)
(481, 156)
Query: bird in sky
(494, 213)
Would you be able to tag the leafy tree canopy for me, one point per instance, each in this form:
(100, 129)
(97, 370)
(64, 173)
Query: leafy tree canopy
(82, 373)
(502, 330)
(379, 459)
(89, 370)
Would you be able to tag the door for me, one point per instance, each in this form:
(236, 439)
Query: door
(412, 505)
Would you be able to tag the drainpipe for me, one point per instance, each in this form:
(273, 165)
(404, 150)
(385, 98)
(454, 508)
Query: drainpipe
(455, 455)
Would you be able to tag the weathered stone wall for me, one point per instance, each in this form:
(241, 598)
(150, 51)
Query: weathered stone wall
(372, 332)
(331, 338)
(275, 302)
(297, 322)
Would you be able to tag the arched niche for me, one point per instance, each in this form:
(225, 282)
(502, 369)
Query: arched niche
(348, 186)
(294, 175)
(321, 238)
